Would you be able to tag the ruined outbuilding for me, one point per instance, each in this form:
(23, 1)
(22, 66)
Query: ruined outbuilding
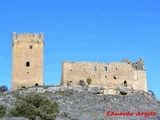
(27, 60)
(112, 76)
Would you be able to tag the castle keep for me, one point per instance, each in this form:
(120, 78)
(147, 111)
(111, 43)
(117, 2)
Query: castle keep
(27, 60)
(110, 76)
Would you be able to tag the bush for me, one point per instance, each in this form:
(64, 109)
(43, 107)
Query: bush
(33, 106)
(2, 111)
(89, 80)
(3, 88)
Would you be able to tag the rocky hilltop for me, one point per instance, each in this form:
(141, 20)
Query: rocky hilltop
(77, 103)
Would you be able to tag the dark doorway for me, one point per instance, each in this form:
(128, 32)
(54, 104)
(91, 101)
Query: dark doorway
(36, 84)
(125, 83)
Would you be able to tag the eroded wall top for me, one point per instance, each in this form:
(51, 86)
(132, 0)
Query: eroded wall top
(28, 36)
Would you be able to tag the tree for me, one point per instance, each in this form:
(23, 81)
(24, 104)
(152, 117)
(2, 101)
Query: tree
(89, 80)
(33, 106)
(3, 88)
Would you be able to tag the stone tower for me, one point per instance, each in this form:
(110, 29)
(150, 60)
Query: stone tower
(27, 60)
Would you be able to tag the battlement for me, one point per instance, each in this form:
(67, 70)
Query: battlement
(25, 36)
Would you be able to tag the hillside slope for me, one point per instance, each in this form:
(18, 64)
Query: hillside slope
(84, 105)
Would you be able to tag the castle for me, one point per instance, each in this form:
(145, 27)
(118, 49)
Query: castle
(27, 68)
(109, 76)
(27, 60)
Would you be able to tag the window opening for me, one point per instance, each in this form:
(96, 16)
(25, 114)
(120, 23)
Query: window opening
(105, 68)
(114, 77)
(27, 64)
(23, 87)
(30, 47)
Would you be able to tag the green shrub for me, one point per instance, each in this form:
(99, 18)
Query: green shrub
(2, 111)
(89, 80)
(32, 106)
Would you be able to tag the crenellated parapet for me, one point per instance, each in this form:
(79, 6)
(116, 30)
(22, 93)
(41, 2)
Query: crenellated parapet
(28, 36)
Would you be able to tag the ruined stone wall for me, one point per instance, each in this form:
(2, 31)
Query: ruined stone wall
(27, 60)
(140, 81)
(112, 75)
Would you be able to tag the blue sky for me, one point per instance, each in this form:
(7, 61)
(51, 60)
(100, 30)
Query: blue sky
(84, 30)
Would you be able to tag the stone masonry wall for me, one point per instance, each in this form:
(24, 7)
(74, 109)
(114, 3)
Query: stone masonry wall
(112, 75)
(27, 60)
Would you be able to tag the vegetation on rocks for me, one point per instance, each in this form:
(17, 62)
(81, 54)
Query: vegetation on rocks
(3, 88)
(2, 111)
(33, 107)
(76, 103)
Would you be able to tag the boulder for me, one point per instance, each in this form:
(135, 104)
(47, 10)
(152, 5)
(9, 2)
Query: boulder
(77, 88)
(124, 90)
(96, 90)
(53, 89)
